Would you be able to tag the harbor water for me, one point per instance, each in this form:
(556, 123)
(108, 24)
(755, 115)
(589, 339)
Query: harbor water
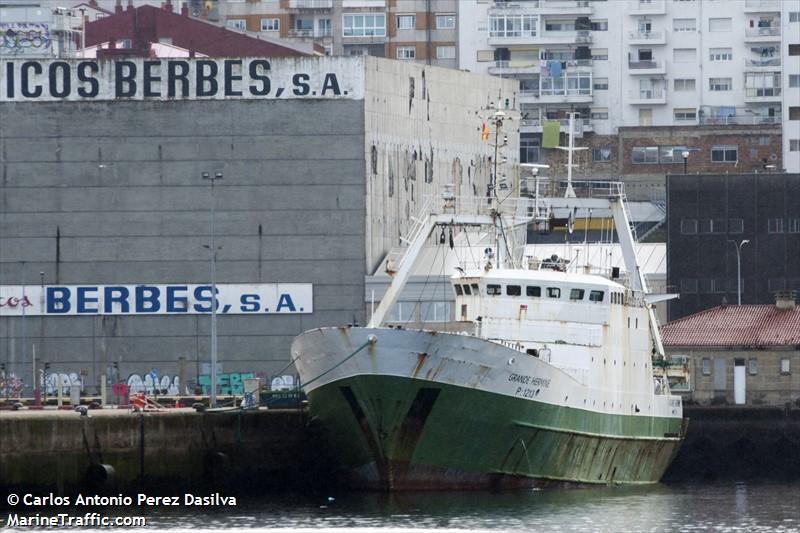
(729, 506)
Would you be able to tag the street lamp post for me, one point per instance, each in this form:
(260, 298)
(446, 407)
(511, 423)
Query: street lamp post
(213, 392)
(685, 155)
(738, 247)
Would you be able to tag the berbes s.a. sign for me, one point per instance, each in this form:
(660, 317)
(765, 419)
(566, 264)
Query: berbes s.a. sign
(180, 79)
(156, 299)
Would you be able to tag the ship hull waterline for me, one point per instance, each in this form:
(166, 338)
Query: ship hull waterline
(392, 427)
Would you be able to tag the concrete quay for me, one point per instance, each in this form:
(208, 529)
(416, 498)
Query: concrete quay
(117, 449)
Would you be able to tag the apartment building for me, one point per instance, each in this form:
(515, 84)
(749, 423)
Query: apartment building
(665, 66)
(418, 30)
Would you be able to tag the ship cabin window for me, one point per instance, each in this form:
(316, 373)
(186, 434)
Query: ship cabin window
(576, 294)
(475, 289)
(536, 292)
(459, 290)
(467, 291)
(553, 292)
(493, 290)
(513, 290)
(596, 296)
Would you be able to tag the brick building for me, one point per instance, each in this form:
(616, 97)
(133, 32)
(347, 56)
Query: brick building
(740, 354)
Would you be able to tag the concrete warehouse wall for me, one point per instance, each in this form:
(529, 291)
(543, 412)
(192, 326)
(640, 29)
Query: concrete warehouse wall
(423, 131)
(111, 193)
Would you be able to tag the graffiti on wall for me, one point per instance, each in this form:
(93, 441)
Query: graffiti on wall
(65, 380)
(10, 385)
(228, 383)
(153, 383)
(23, 38)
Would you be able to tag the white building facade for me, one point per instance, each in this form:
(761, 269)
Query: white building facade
(632, 63)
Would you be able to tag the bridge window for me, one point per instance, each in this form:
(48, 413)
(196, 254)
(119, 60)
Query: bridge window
(536, 292)
(458, 289)
(493, 290)
(576, 294)
(475, 289)
(553, 292)
(513, 290)
(596, 296)
(467, 291)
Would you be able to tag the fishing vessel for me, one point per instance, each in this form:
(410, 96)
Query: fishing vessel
(549, 380)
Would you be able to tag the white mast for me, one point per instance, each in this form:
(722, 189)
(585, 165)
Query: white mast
(570, 148)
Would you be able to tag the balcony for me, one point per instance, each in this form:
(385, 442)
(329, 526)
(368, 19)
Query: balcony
(298, 5)
(534, 37)
(556, 95)
(770, 63)
(649, 7)
(308, 33)
(646, 68)
(534, 125)
(767, 94)
(360, 4)
(711, 116)
(762, 35)
(762, 6)
(648, 97)
(647, 37)
(544, 7)
(508, 68)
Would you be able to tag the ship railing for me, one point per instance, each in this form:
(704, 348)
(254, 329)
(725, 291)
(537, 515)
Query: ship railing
(549, 187)
(661, 386)
(521, 208)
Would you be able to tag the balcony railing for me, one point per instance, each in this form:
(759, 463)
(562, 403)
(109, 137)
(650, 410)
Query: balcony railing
(310, 33)
(310, 4)
(648, 94)
(647, 35)
(765, 5)
(767, 92)
(771, 62)
(771, 31)
(645, 65)
(738, 119)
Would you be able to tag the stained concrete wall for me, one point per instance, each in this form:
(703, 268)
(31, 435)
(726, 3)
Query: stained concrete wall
(422, 130)
(111, 192)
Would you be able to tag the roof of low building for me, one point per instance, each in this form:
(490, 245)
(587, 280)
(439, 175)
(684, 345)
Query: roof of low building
(736, 325)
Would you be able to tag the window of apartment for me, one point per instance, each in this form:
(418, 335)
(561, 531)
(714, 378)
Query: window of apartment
(599, 113)
(645, 54)
(645, 154)
(236, 24)
(794, 16)
(445, 21)
(794, 145)
(671, 154)
(684, 55)
(598, 25)
(445, 52)
(559, 25)
(688, 114)
(793, 225)
(762, 84)
(794, 113)
(720, 24)
(600, 84)
(706, 366)
(720, 54)
(724, 153)
(406, 52)
(794, 49)
(736, 225)
(434, 311)
(720, 84)
(684, 25)
(528, 150)
(406, 22)
(786, 366)
(774, 225)
(752, 366)
(507, 25)
(794, 80)
(271, 24)
(364, 25)
(600, 54)
(601, 154)
(688, 226)
(684, 84)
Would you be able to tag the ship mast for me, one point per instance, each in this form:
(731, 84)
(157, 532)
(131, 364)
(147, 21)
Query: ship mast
(569, 149)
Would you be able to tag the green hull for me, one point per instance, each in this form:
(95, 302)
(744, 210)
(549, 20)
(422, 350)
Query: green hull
(393, 433)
